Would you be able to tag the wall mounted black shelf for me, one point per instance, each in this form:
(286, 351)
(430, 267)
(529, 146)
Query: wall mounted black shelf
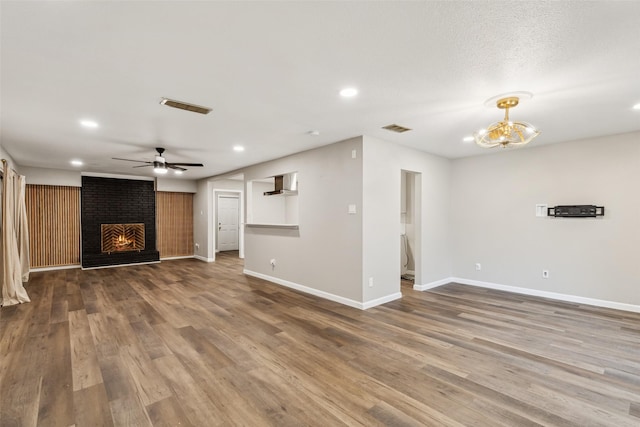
(576, 211)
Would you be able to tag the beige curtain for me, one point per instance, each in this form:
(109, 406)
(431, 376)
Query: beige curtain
(15, 239)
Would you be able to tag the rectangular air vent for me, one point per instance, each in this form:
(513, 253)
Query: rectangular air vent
(185, 106)
(396, 128)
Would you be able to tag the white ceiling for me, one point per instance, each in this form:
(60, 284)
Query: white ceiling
(272, 71)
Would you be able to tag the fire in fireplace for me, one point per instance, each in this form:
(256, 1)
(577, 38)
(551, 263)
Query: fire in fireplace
(122, 237)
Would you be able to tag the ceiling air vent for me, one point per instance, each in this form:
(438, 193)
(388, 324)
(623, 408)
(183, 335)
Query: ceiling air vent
(396, 128)
(185, 106)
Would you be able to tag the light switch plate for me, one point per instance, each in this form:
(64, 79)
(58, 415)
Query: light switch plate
(541, 210)
(352, 209)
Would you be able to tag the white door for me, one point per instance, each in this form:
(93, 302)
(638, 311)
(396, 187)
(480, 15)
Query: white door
(228, 214)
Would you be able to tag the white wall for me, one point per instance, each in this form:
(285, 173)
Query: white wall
(494, 222)
(382, 172)
(5, 155)
(44, 176)
(176, 185)
(228, 184)
(291, 209)
(263, 209)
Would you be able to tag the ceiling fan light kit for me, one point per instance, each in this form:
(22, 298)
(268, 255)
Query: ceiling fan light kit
(160, 165)
(506, 133)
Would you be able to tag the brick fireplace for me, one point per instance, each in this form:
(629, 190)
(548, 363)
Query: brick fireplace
(118, 218)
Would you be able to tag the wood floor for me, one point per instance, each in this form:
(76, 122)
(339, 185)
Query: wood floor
(194, 344)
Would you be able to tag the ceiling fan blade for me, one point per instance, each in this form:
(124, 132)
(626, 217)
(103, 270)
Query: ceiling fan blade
(142, 166)
(129, 160)
(173, 166)
(184, 164)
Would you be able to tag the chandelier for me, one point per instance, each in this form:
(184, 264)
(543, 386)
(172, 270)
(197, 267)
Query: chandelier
(507, 132)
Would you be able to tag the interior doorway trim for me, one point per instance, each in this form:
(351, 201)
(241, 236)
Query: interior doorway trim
(214, 212)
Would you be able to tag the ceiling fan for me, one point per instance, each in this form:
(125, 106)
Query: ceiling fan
(160, 165)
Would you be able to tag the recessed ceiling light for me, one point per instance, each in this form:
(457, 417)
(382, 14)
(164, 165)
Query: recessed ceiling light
(636, 107)
(76, 162)
(314, 132)
(238, 148)
(468, 139)
(89, 124)
(348, 92)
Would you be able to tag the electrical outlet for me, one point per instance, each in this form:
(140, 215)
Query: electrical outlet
(371, 282)
(197, 246)
(545, 274)
(273, 263)
(478, 266)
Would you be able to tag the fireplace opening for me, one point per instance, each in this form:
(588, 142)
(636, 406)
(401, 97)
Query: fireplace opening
(122, 237)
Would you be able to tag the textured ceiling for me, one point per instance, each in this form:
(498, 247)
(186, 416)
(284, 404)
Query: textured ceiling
(272, 71)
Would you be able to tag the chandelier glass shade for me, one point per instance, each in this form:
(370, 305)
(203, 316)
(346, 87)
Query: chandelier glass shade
(506, 132)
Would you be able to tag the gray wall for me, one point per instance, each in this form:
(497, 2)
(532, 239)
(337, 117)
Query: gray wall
(325, 253)
(494, 222)
(336, 252)
(203, 221)
(383, 165)
(473, 210)
(204, 214)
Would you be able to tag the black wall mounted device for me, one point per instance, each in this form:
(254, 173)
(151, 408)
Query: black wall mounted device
(576, 211)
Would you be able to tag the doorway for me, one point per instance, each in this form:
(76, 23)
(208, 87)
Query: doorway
(410, 228)
(228, 223)
(220, 208)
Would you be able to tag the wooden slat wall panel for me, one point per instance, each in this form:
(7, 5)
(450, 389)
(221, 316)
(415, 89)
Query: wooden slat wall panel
(53, 213)
(174, 212)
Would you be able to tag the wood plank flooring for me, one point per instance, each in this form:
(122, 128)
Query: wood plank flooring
(194, 344)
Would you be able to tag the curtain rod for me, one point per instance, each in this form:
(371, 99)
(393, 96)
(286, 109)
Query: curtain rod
(5, 162)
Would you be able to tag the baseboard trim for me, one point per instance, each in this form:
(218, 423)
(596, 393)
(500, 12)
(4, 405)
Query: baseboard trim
(120, 265)
(57, 267)
(552, 295)
(205, 259)
(381, 300)
(431, 285)
(176, 257)
(322, 294)
(306, 289)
